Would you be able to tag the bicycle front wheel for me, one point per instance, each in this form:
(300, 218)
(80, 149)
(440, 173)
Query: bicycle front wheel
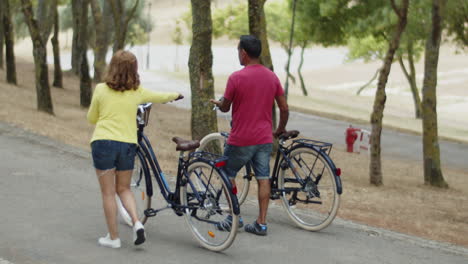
(209, 207)
(138, 188)
(308, 187)
(215, 143)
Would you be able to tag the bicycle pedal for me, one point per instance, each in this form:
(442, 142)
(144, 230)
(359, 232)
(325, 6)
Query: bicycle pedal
(274, 196)
(150, 212)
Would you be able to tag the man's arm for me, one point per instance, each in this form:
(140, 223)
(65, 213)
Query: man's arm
(223, 104)
(284, 115)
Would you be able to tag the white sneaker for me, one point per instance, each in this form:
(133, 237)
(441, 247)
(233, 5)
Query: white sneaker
(139, 236)
(108, 242)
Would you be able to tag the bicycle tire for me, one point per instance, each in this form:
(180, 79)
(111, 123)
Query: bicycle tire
(242, 183)
(309, 205)
(138, 188)
(211, 209)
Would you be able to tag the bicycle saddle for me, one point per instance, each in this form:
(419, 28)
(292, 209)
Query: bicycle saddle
(185, 145)
(289, 134)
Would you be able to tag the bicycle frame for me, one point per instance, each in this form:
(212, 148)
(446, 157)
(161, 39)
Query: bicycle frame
(150, 158)
(323, 149)
(171, 197)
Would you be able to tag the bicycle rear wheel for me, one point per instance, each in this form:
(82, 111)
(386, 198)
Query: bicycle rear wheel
(310, 196)
(215, 143)
(209, 207)
(138, 188)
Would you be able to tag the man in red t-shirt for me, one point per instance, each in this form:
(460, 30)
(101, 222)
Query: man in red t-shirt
(252, 92)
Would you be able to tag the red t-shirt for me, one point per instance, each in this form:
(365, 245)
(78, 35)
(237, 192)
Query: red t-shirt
(252, 91)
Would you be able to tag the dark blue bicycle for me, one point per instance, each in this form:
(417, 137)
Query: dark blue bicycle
(304, 180)
(202, 194)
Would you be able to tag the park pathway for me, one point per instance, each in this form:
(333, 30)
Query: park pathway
(51, 213)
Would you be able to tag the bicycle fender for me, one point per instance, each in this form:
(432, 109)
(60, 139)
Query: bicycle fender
(235, 202)
(339, 186)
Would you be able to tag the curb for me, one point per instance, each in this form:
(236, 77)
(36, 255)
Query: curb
(422, 242)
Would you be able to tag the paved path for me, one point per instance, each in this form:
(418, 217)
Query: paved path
(394, 143)
(51, 213)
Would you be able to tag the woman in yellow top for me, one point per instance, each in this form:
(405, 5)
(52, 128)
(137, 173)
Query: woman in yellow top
(113, 110)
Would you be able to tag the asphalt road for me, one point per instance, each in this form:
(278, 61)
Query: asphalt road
(394, 143)
(51, 213)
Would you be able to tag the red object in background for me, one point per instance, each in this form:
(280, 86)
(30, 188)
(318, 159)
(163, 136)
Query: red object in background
(351, 137)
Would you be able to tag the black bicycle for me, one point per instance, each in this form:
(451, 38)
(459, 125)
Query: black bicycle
(304, 178)
(202, 193)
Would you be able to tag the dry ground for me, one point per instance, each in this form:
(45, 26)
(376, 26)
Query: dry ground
(404, 204)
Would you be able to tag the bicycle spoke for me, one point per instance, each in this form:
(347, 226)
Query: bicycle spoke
(322, 187)
(305, 168)
(309, 190)
(206, 183)
(215, 143)
(208, 212)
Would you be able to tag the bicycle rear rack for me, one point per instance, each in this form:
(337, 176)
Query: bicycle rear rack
(212, 159)
(319, 145)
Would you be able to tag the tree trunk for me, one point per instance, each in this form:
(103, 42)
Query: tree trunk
(2, 33)
(44, 99)
(369, 82)
(118, 14)
(58, 80)
(200, 67)
(108, 24)
(299, 69)
(75, 56)
(414, 86)
(288, 72)
(45, 18)
(100, 47)
(85, 80)
(9, 44)
(121, 21)
(411, 77)
(290, 51)
(257, 28)
(375, 167)
(432, 168)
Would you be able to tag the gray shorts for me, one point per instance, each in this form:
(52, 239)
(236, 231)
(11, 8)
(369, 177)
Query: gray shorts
(239, 156)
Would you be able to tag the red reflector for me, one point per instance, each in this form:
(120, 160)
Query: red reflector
(220, 164)
(234, 190)
(338, 171)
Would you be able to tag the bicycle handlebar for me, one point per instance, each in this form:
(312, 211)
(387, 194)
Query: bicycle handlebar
(143, 113)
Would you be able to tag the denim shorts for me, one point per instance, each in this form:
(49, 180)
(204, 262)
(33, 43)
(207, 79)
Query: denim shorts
(239, 156)
(110, 154)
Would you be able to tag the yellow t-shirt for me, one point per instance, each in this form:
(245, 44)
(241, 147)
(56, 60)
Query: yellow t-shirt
(114, 112)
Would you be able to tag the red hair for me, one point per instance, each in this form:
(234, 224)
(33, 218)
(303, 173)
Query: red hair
(122, 73)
